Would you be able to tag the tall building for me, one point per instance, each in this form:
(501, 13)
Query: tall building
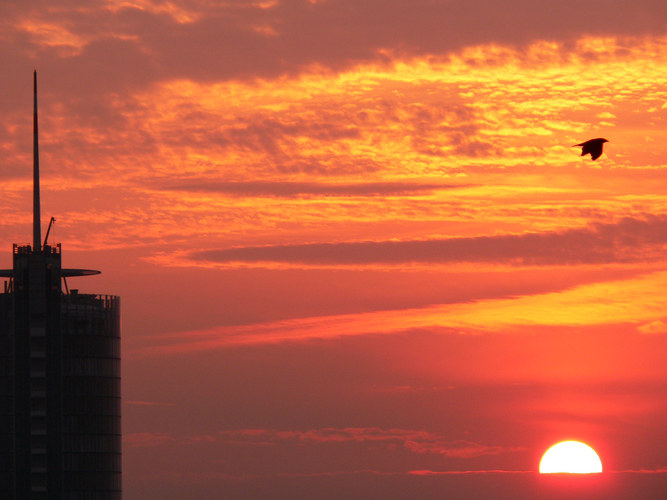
(60, 429)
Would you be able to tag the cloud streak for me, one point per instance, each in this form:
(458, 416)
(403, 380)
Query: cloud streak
(636, 301)
(420, 442)
(628, 240)
(293, 189)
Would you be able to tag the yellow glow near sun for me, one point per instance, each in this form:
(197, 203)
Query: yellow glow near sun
(570, 457)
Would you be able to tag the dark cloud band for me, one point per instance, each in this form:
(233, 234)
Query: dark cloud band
(627, 240)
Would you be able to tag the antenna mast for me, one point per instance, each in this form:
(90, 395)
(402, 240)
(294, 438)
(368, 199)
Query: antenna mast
(36, 224)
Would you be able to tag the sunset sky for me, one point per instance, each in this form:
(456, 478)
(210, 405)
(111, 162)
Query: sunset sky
(357, 254)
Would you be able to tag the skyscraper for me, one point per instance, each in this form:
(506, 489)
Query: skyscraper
(60, 431)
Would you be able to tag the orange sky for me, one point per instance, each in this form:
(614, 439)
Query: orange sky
(355, 248)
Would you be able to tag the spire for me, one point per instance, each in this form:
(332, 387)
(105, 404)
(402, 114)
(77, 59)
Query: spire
(36, 223)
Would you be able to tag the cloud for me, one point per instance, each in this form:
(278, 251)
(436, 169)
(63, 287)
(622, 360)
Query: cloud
(659, 470)
(621, 302)
(456, 449)
(655, 327)
(426, 472)
(292, 189)
(421, 442)
(147, 403)
(229, 40)
(233, 39)
(627, 240)
(146, 439)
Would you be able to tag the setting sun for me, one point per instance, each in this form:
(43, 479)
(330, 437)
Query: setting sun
(570, 457)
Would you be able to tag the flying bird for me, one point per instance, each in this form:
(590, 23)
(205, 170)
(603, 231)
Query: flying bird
(594, 147)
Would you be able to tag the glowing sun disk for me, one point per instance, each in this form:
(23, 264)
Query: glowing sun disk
(570, 457)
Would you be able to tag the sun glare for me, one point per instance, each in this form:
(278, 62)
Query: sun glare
(570, 457)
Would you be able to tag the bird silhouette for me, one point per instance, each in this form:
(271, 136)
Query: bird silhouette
(594, 147)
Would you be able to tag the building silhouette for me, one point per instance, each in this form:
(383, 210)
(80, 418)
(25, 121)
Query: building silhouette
(60, 429)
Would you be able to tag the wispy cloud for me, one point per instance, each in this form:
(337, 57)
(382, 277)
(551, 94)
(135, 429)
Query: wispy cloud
(416, 441)
(426, 472)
